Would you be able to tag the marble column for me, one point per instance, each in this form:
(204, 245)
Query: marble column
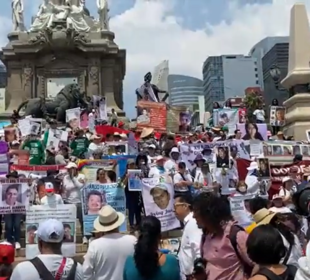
(298, 77)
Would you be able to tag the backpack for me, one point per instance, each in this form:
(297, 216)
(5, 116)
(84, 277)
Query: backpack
(289, 274)
(45, 274)
(247, 268)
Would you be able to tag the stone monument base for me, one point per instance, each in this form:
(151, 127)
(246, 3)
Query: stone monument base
(297, 116)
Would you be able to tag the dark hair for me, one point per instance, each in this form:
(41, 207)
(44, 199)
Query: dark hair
(265, 245)
(275, 102)
(67, 226)
(98, 171)
(145, 255)
(112, 176)
(6, 270)
(108, 135)
(277, 222)
(212, 208)
(94, 192)
(247, 134)
(185, 198)
(31, 227)
(237, 130)
(14, 186)
(181, 165)
(216, 105)
(257, 203)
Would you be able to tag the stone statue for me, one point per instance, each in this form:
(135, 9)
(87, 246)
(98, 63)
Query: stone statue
(103, 11)
(48, 14)
(76, 18)
(68, 98)
(17, 15)
(149, 91)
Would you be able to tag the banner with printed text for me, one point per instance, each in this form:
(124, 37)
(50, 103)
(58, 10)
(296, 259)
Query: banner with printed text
(95, 196)
(158, 201)
(66, 213)
(152, 115)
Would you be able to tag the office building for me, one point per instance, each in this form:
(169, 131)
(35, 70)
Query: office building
(276, 56)
(260, 49)
(227, 76)
(184, 90)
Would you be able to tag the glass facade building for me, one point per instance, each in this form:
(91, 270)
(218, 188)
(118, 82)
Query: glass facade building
(184, 90)
(227, 76)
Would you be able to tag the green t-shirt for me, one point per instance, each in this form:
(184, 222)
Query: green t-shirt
(36, 150)
(79, 146)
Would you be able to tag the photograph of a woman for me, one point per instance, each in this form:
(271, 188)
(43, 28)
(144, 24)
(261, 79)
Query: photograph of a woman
(222, 157)
(251, 132)
(263, 168)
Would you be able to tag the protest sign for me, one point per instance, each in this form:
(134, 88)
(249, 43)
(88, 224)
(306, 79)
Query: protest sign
(277, 172)
(152, 115)
(66, 213)
(14, 198)
(90, 167)
(95, 196)
(134, 180)
(73, 117)
(121, 161)
(170, 245)
(226, 117)
(238, 209)
(115, 148)
(158, 201)
(277, 115)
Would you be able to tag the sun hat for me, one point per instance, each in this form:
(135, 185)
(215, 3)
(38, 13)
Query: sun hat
(253, 166)
(71, 165)
(108, 219)
(146, 132)
(199, 157)
(263, 216)
(152, 146)
(95, 137)
(123, 135)
(7, 253)
(116, 134)
(51, 231)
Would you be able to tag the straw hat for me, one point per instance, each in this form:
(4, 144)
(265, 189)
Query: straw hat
(108, 219)
(216, 129)
(146, 132)
(263, 216)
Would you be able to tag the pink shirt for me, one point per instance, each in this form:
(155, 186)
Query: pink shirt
(222, 261)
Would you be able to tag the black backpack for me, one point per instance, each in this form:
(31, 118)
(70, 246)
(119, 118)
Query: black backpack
(289, 274)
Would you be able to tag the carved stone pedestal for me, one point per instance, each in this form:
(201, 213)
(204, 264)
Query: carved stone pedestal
(297, 116)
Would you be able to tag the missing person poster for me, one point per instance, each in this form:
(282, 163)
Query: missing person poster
(158, 201)
(95, 196)
(14, 198)
(66, 213)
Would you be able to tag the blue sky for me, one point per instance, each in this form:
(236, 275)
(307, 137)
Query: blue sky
(185, 32)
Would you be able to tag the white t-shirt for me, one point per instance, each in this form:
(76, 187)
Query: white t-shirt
(72, 187)
(26, 271)
(106, 256)
(259, 114)
(177, 178)
(52, 200)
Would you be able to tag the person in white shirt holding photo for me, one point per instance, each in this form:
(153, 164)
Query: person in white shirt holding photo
(260, 115)
(182, 180)
(51, 198)
(189, 249)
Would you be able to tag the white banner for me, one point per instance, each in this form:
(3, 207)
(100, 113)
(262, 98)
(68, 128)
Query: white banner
(158, 201)
(66, 213)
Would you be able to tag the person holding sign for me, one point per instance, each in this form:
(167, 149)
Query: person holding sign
(94, 202)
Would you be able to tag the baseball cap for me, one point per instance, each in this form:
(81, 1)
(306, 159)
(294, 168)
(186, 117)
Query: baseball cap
(51, 231)
(49, 187)
(7, 253)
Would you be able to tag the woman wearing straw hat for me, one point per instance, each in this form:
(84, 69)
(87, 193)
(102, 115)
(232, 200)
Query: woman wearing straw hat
(106, 256)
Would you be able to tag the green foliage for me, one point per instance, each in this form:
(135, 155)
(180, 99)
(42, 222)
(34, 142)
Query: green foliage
(253, 101)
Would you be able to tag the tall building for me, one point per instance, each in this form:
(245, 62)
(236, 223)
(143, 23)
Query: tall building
(227, 76)
(184, 90)
(160, 77)
(260, 49)
(276, 56)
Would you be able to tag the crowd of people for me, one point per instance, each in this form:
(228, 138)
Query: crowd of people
(214, 245)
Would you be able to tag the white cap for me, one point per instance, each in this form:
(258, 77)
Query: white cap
(152, 146)
(286, 179)
(51, 231)
(15, 142)
(174, 150)
(49, 187)
(71, 165)
(116, 134)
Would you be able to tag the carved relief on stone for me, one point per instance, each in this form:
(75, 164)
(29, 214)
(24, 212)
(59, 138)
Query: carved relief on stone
(27, 77)
(94, 79)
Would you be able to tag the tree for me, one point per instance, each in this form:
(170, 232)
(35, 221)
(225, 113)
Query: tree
(252, 101)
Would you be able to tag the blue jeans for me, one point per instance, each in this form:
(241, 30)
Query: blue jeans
(12, 227)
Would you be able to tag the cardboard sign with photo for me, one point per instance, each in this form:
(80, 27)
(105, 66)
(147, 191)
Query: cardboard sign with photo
(55, 137)
(73, 118)
(263, 168)
(35, 127)
(222, 157)
(117, 148)
(277, 115)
